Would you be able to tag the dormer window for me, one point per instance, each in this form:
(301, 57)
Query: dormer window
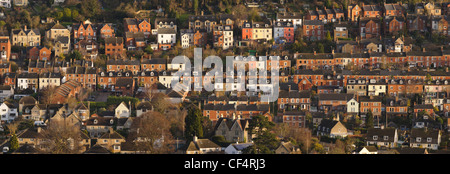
(429, 139)
(418, 139)
(385, 138)
(95, 121)
(111, 121)
(375, 137)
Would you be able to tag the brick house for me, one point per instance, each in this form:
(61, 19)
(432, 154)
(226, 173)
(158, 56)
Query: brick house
(353, 12)
(313, 29)
(114, 47)
(394, 25)
(370, 28)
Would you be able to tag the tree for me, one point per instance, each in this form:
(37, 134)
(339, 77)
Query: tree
(158, 100)
(195, 6)
(90, 8)
(14, 143)
(265, 141)
(193, 123)
(67, 13)
(321, 48)
(329, 36)
(148, 50)
(61, 138)
(369, 119)
(152, 133)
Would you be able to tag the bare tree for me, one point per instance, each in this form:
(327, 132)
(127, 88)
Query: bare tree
(151, 133)
(60, 137)
(48, 95)
(160, 103)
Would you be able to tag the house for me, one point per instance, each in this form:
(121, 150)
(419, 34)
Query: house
(391, 9)
(123, 65)
(428, 139)
(202, 22)
(353, 106)
(257, 31)
(410, 150)
(31, 136)
(5, 3)
(114, 47)
(431, 9)
(334, 102)
(236, 148)
(56, 31)
(122, 111)
(28, 80)
(332, 128)
(61, 46)
(417, 23)
(107, 31)
(294, 99)
(376, 88)
(20, 2)
(143, 107)
(387, 137)
(68, 89)
(354, 12)
(223, 36)
(124, 86)
(187, 38)
(5, 46)
(49, 79)
(167, 37)
(234, 130)
(26, 37)
(39, 53)
(8, 112)
(6, 91)
(135, 41)
(97, 126)
(340, 31)
(396, 107)
(426, 108)
(200, 38)
(372, 11)
(368, 150)
(394, 25)
(295, 119)
(370, 28)
(85, 76)
(283, 32)
(202, 146)
(313, 30)
(82, 111)
(166, 23)
(97, 149)
(138, 25)
(439, 25)
(88, 48)
(84, 30)
(293, 17)
(371, 104)
(111, 141)
(287, 148)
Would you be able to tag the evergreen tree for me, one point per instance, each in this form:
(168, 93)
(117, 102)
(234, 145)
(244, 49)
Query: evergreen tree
(14, 144)
(369, 119)
(193, 123)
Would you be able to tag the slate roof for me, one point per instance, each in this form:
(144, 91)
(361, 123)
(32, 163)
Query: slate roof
(415, 133)
(390, 132)
(97, 149)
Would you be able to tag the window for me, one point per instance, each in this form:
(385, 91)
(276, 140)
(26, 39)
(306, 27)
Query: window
(418, 139)
(429, 139)
(375, 137)
(385, 138)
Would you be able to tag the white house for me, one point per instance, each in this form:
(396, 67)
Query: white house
(376, 88)
(167, 36)
(295, 18)
(236, 148)
(368, 150)
(187, 38)
(6, 91)
(5, 3)
(8, 112)
(352, 106)
(122, 111)
(382, 137)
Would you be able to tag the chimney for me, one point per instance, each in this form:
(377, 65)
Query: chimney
(195, 139)
(111, 130)
(39, 129)
(25, 28)
(314, 52)
(332, 51)
(423, 49)
(446, 69)
(202, 13)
